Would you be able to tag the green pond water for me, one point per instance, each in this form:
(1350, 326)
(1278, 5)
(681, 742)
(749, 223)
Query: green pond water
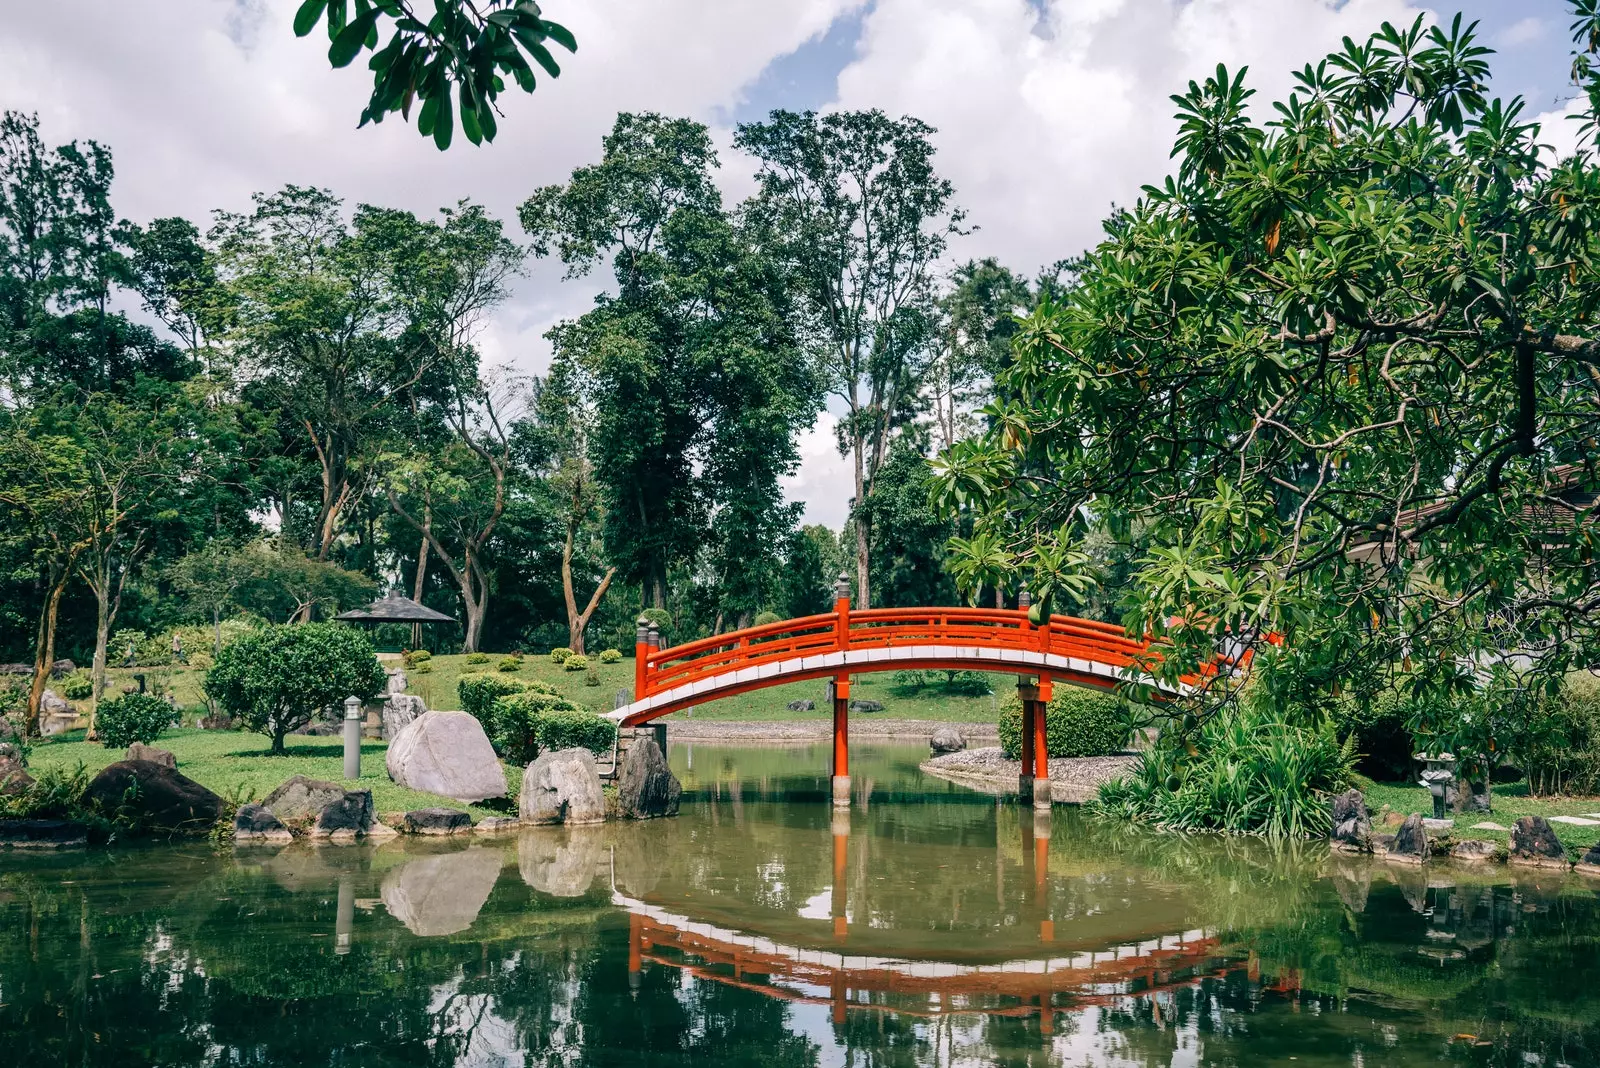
(929, 925)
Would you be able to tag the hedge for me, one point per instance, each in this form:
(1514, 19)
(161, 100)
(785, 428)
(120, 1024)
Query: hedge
(478, 693)
(530, 722)
(133, 717)
(1077, 723)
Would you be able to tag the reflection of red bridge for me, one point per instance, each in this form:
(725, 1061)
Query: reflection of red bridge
(920, 988)
(842, 643)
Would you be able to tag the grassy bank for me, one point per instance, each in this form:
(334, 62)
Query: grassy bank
(1510, 802)
(240, 765)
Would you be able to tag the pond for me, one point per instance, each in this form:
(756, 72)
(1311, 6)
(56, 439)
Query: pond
(928, 925)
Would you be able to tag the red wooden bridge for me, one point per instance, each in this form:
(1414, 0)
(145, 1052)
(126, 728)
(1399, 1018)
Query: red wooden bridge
(841, 643)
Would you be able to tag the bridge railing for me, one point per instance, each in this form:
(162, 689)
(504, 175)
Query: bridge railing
(843, 630)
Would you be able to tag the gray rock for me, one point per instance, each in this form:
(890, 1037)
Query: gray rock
(805, 705)
(646, 787)
(1473, 849)
(866, 704)
(349, 816)
(300, 799)
(16, 669)
(947, 740)
(397, 681)
(447, 753)
(437, 821)
(14, 778)
(399, 712)
(1411, 840)
(496, 825)
(53, 704)
(1533, 841)
(443, 894)
(560, 863)
(153, 795)
(1352, 826)
(1592, 858)
(42, 834)
(256, 823)
(62, 668)
(140, 751)
(562, 787)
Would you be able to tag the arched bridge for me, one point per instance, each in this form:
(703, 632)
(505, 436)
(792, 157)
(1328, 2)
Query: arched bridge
(844, 642)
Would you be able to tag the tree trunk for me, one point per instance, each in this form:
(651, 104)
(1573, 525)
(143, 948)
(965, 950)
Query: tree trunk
(102, 637)
(422, 569)
(999, 596)
(45, 649)
(863, 579)
(216, 631)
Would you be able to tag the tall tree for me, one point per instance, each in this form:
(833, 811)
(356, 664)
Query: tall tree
(851, 204)
(977, 319)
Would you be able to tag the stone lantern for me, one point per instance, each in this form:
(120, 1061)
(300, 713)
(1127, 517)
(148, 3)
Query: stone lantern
(1438, 773)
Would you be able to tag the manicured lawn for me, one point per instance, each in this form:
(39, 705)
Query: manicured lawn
(239, 765)
(1509, 803)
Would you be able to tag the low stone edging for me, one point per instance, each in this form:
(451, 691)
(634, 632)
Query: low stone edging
(1073, 780)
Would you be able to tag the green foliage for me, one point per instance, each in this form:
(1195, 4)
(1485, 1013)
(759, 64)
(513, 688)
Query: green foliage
(277, 679)
(527, 723)
(763, 618)
(591, 677)
(1379, 728)
(476, 659)
(509, 664)
(560, 654)
(478, 693)
(611, 656)
(133, 717)
(575, 662)
(1078, 722)
(78, 686)
(1249, 772)
(462, 48)
(55, 794)
(422, 667)
(413, 657)
(1247, 374)
(959, 683)
(1565, 758)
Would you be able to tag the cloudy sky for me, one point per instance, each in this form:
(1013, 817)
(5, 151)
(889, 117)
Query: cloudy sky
(1048, 111)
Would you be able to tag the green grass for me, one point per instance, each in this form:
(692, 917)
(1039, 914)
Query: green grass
(235, 764)
(1509, 802)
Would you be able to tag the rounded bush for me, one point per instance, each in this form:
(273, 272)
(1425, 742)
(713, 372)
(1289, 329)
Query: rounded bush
(1077, 723)
(763, 618)
(511, 663)
(478, 693)
(575, 728)
(133, 717)
(591, 677)
(575, 662)
(559, 654)
(413, 657)
(520, 732)
(611, 656)
(422, 667)
(78, 686)
(478, 658)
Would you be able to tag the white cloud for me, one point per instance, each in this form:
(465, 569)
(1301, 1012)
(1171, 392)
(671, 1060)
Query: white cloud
(1048, 113)
(1522, 32)
(1558, 130)
(825, 481)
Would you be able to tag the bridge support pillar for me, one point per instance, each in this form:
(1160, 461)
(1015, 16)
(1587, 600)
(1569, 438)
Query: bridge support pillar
(1033, 785)
(840, 693)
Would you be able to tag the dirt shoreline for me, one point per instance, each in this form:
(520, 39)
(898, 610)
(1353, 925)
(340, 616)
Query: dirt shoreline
(803, 731)
(1073, 780)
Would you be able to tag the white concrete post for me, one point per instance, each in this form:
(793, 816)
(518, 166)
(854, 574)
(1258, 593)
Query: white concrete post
(352, 737)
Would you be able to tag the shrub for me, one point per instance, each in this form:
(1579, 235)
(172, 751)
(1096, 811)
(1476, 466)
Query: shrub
(575, 662)
(510, 663)
(55, 793)
(478, 658)
(764, 618)
(1565, 756)
(611, 656)
(133, 717)
(422, 667)
(1377, 726)
(910, 682)
(78, 686)
(517, 722)
(559, 654)
(1249, 771)
(968, 684)
(575, 728)
(413, 657)
(478, 693)
(591, 677)
(1077, 723)
(275, 680)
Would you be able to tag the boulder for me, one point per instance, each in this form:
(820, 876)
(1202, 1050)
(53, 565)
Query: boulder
(1534, 843)
(561, 863)
(256, 823)
(62, 668)
(1589, 863)
(14, 778)
(1352, 827)
(140, 751)
(437, 821)
(496, 825)
(442, 895)
(397, 681)
(42, 834)
(153, 795)
(562, 787)
(1474, 849)
(646, 787)
(805, 705)
(399, 712)
(866, 704)
(347, 817)
(947, 740)
(53, 704)
(16, 669)
(1411, 840)
(301, 799)
(447, 753)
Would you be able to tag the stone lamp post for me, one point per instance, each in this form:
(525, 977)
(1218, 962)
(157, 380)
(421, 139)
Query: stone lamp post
(352, 737)
(1437, 775)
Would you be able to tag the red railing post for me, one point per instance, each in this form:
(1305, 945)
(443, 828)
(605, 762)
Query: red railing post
(841, 611)
(839, 693)
(641, 656)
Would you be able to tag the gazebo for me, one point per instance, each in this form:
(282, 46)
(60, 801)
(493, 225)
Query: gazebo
(392, 607)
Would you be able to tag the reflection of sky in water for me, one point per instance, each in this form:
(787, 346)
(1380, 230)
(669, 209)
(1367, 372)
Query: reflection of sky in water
(818, 906)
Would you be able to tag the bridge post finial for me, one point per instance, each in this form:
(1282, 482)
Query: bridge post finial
(655, 635)
(1024, 599)
(841, 587)
(641, 634)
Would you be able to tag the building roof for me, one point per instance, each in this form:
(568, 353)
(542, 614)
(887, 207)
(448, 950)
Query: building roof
(393, 608)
